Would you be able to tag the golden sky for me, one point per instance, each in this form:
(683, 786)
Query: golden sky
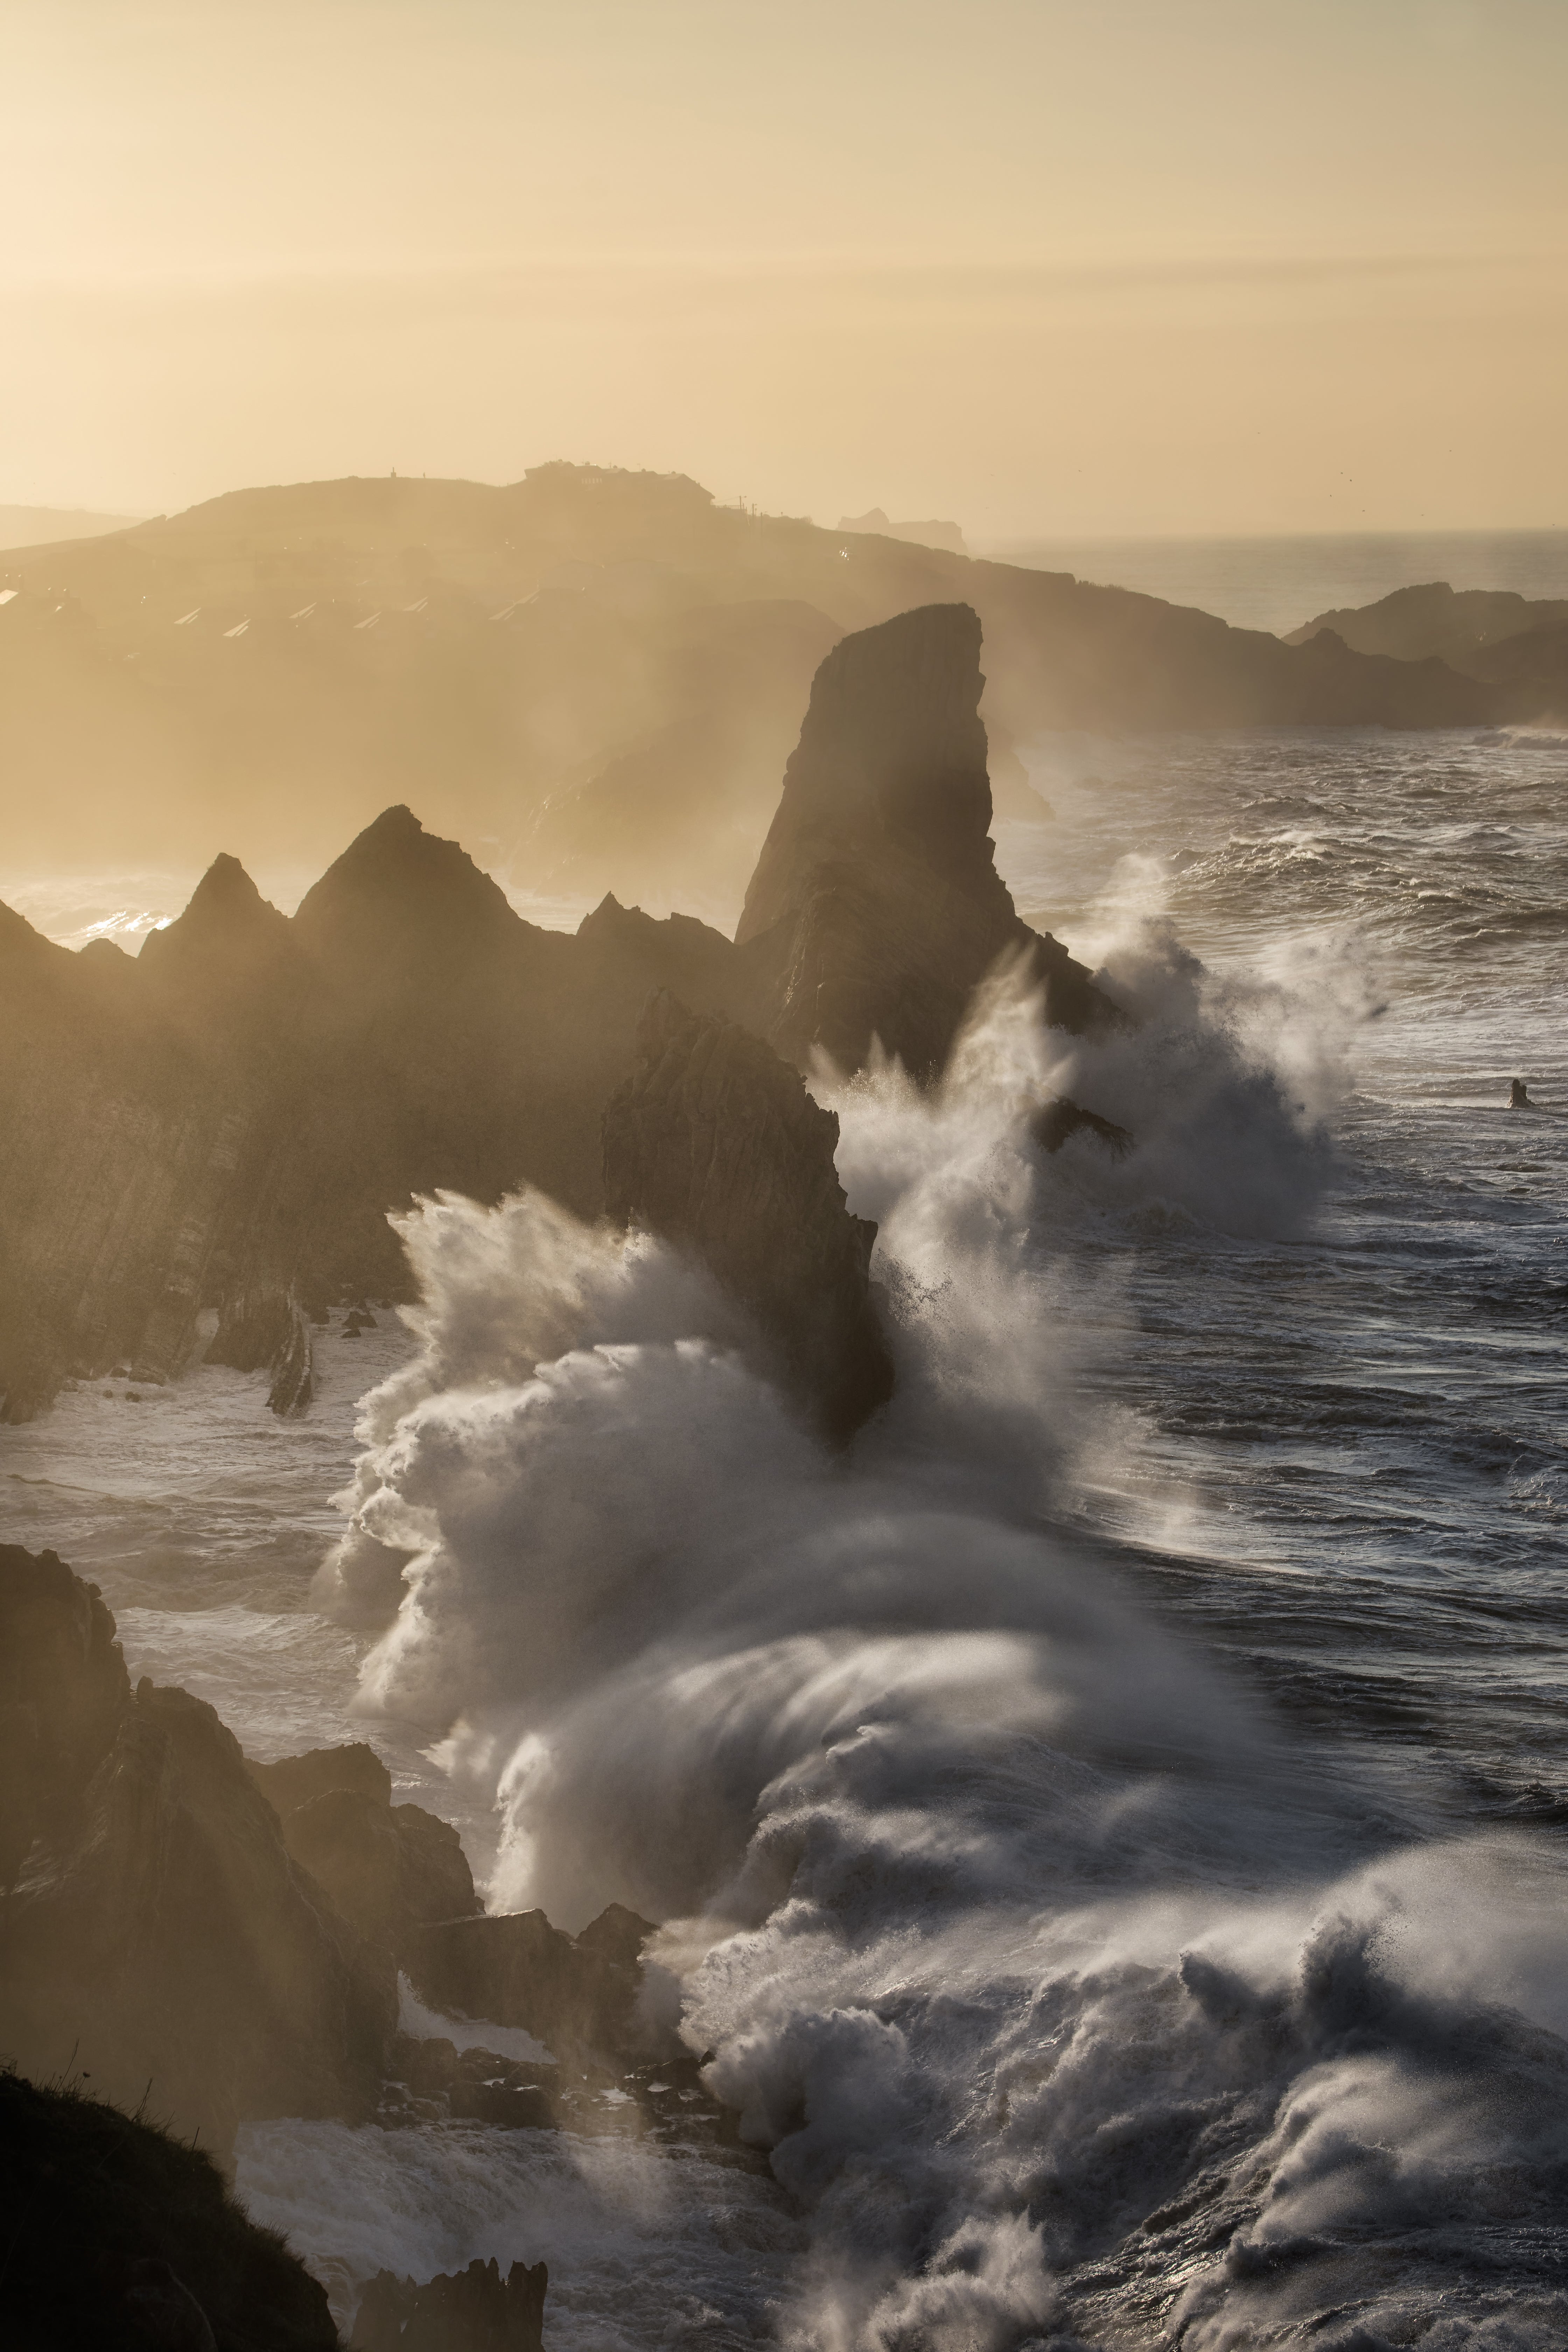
(1042, 266)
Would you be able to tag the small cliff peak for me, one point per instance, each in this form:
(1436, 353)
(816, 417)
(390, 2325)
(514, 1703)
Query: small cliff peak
(225, 914)
(220, 969)
(714, 1144)
(398, 889)
(608, 917)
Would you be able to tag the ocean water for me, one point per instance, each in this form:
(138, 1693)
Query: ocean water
(1276, 584)
(1110, 1830)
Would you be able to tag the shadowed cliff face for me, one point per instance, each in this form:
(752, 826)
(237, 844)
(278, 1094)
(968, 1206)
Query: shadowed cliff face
(876, 909)
(714, 1144)
(226, 1122)
(158, 1932)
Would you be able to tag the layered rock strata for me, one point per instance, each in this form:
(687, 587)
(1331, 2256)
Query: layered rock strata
(714, 1144)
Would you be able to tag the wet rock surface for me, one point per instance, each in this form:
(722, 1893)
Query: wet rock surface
(225, 1125)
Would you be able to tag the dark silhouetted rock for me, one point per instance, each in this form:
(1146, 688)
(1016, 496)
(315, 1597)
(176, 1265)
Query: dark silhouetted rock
(475, 2310)
(159, 1936)
(617, 1935)
(572, 1994)
(876, 909)
(714, 1143)
(228, 1127)
(1062, 1117)
(122, 2237)
(295, 1779)
(1519, 1096)
(227, 1122)
(427, 2066)
(227, 961)
(388, 1868)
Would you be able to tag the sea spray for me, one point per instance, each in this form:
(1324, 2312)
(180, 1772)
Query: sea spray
(1071, 1994)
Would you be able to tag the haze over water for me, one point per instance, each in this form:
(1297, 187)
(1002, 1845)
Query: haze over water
(1277, 583)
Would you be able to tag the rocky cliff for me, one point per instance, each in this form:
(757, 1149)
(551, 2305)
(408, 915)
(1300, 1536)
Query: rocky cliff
(389, 1869)
(223, 1125)
(876, 908)
(159, 1937)
(225, 1122)
(714, 1143)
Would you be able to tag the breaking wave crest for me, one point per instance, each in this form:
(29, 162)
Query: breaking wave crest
(1075, 1998)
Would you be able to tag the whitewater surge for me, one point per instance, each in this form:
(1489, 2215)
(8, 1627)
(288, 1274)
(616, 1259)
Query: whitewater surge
(1072, 1993)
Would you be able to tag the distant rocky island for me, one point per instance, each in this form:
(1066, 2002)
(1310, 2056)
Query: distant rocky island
(201, 1146)
(920, 534)
(595, 674)
(1516, 644)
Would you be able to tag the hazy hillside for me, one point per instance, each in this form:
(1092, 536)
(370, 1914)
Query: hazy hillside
(594, 677)
(40, 526)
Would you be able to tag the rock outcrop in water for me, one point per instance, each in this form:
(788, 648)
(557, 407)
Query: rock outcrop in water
(389, 1869)
(714, 1144)
(876, 909)
(158, 1936)
(577, 1994)
(121, 2238)
(476, 2310)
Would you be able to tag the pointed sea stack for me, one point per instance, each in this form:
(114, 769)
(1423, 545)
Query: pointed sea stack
(876, 908)
(228, 952)
(714, 1143)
